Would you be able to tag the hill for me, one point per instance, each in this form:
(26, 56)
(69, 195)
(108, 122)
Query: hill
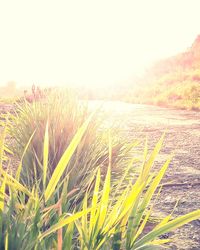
(173, 82)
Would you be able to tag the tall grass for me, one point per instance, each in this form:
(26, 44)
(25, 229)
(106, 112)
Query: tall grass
(63, 115)
(31, 219)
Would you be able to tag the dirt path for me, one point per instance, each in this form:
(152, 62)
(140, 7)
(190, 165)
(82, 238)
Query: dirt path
(183, 138)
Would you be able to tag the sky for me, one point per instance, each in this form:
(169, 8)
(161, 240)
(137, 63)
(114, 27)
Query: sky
(60, 42)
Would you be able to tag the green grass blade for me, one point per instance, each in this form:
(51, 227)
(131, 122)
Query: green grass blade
(148, 195)
(62, 164)
(84, 219)
(94, 202)
(104, 200)
(172, 225)
(2, 146)
(18, 172)
(2, 194)
(6, 241)
(10, 181)
(64, 222)
(148, 164)
(67, 242)
(45, 155)
(142, 226)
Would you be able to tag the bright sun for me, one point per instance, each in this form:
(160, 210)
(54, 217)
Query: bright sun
(90, 42)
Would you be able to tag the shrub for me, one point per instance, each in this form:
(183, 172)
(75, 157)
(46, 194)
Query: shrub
(63, 114)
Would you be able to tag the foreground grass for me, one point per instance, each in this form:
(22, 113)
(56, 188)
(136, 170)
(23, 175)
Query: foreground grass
(41, 216)
(63, 114)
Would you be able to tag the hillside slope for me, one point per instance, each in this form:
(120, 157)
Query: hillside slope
(173, 82)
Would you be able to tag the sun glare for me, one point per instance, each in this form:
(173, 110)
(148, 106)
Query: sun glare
(90, 42)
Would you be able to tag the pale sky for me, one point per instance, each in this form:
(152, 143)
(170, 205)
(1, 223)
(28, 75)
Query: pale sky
(90, 42)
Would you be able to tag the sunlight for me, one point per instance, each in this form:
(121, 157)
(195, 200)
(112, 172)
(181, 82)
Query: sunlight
(90, 42)
(99, 124)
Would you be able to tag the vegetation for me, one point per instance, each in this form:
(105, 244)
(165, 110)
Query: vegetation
(177, 90)
(75, 186)
(42, 218)
(174, 82)
(63, 114)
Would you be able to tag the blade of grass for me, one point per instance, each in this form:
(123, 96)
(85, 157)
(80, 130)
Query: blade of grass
(14, 183)
(67, 242)
(62, 164)
(148, 164)
(104, 200)
(94, 202)
(147, 197)
(2, 140)
(63, 222)
(18, 172)
(2, 194)
(45, 155)
(174, 224)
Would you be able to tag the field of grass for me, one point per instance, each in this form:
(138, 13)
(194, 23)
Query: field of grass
(77, 186)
